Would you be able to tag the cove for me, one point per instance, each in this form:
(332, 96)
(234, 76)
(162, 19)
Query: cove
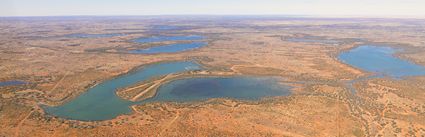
(167, 38)
(169, 48)
(238, 87)
(101, 103)
(380, 60)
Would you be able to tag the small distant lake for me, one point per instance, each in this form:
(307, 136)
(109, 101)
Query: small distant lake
(167, 38)
(12, 83)
(170, 48)
(381, 61)
(83, 35)
(164, 27)
(101, 102)
(194, 89)
(313, 39)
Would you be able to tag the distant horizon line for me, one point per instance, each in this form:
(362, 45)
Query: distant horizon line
(218, 15)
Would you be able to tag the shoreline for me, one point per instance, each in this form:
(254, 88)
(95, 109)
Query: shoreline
(139, 67)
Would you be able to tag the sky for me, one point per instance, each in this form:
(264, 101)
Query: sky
(376, 8)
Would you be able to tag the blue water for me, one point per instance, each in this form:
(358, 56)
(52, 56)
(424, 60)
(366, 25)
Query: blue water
(164, 27)
(195, 89)
(83, 35)
(100, 102)
(381, 61)
(170, 48)
(167, 38)
(12, 83)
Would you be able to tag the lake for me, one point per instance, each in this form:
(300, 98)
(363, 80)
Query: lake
(101, 102)
(12, 83)
(323, 41)
(239, 87)
(167, 38)
(179, 47)
(164, 27)
(380, 60)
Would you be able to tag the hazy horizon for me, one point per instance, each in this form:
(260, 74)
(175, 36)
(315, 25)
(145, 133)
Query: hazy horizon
(328, 8)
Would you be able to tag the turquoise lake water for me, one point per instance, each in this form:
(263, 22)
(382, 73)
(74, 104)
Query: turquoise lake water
(100, 102)
(380, 60)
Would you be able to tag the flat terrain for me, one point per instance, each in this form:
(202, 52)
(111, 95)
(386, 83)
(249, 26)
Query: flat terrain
(59, 68)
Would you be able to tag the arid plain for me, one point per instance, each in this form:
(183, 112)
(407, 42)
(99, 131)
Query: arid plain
(57, 68)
